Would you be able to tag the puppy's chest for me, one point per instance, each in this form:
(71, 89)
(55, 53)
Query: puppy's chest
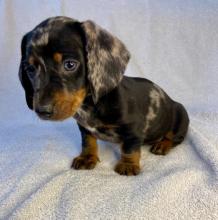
(87, 119)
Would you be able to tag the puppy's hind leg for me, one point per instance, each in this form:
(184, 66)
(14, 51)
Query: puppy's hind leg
(177, 131)
(180, 123)
(163, 146)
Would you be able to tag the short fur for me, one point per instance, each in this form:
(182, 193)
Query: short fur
(106, 104)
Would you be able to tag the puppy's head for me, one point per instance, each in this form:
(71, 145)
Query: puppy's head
(63, 60)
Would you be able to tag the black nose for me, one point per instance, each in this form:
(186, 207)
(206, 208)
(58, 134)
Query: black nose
(44, 110)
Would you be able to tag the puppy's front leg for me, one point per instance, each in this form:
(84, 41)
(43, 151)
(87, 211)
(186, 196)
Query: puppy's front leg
(89, 155)
(129, 163)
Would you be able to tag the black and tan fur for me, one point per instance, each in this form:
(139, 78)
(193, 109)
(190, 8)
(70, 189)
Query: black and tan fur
(75, 69)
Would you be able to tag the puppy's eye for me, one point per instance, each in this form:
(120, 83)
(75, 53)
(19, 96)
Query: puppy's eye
(71, 65)
(30, 70)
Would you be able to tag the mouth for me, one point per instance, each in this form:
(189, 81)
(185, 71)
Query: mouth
(45, 115)
(60, 115)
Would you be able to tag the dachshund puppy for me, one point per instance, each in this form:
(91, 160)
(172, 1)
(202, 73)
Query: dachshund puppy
(75, 69)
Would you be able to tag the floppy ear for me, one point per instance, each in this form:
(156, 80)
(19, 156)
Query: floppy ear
(23, 75)
(107, 58)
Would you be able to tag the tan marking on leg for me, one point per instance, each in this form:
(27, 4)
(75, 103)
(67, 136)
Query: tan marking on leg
(162, 147)
(91, 146)
(169, 135)
(57, 57)
(129, 164)
(89, 155)
(66, 103)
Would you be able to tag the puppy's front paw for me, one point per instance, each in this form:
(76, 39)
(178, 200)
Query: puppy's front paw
(85, 162)
(127, 169)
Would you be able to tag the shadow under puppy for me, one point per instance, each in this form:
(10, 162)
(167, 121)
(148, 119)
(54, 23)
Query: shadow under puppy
(70, 68)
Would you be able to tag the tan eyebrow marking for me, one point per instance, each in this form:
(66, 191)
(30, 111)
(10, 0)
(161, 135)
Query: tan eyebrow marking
(31, 60)
(57, 57)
